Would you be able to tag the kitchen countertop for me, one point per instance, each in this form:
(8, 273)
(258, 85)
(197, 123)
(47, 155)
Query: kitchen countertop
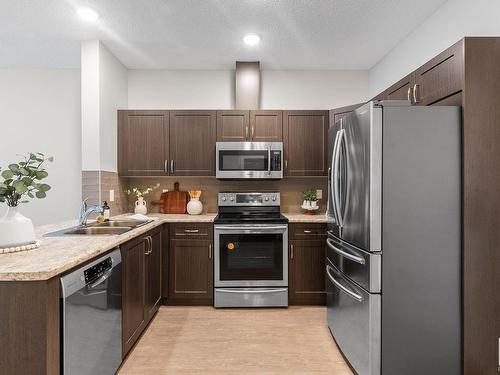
(59, 254)
(303, 218)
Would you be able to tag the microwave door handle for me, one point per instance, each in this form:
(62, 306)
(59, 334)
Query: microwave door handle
(269, 160)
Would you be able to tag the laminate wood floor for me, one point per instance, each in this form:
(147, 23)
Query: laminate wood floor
(204, 340)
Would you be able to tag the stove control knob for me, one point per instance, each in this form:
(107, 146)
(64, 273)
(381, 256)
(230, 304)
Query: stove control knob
(224, 198)
(231, 199)
(266, 199)
(273, 198)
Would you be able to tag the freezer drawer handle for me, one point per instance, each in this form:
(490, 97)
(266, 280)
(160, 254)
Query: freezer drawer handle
(352, 257)
(356, 296)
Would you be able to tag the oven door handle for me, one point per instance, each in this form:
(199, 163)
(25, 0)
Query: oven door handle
(240, 291)
(253, 229)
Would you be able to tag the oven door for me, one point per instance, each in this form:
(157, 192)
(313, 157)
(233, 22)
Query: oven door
(251, 255)
(242, 160)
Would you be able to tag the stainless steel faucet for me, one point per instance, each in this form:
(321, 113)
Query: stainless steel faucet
(86, 211)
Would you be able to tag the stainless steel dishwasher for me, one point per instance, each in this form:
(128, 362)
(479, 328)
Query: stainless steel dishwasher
(91, 320)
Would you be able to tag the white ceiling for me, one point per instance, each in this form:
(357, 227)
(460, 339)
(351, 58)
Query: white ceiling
(206, 34)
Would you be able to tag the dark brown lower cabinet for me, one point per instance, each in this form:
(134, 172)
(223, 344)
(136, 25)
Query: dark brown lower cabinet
(141, 280)
(306, 264)
(190, 272)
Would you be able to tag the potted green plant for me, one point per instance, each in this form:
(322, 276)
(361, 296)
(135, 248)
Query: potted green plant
(310, 199)
(21, 180)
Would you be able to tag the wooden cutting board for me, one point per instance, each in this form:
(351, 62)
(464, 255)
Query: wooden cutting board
(173, 202)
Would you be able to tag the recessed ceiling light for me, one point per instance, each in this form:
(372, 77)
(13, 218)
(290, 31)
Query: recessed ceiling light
(251, 39)
(87, 14)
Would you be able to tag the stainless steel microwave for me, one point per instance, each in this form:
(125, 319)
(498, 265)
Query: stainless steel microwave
(244, 160)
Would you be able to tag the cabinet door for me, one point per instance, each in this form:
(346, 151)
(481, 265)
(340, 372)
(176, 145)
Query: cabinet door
(305, 143)
(441, 77)
(133, 291)
(165, 240)
(192, 143)
(153, 273)
(266, 126)
(233, 126)
(402, 90)
(191, 272)
(307, 272)
(143, 143)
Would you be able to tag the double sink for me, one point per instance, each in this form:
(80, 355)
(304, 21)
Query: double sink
(111, 227)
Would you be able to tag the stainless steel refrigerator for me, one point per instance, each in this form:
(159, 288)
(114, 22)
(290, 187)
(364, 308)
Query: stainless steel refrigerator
(394, 239)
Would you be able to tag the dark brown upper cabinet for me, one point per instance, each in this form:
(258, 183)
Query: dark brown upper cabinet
(192, 143)
(402, 90)
(233, 126)
(305, 143)
(143, 143)
(441, 77)
(266, 126)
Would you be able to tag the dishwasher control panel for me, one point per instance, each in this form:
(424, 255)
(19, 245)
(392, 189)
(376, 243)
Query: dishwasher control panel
(93, 273)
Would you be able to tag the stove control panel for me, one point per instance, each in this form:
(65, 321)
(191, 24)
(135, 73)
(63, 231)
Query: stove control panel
(249, 199)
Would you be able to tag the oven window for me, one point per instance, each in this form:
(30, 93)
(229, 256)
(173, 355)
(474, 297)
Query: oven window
(251, 257)
(248, 160)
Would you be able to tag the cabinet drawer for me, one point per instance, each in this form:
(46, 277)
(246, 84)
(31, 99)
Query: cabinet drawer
(305, 231)
(191, 230)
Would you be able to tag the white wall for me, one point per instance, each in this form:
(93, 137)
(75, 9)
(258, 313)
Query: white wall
(104, 90)
(211, 89)
(40, 111)
(451, 22)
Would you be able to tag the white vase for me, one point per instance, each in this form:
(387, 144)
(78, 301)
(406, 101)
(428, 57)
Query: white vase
(306, 204)
(194, 206)
(140, 206)
(16, 229)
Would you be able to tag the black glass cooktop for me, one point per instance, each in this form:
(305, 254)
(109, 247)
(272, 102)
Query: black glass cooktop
(231, 215)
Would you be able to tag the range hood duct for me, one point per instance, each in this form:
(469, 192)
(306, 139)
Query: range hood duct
(247, 85)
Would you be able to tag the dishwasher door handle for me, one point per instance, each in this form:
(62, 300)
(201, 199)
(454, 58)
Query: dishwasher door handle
(101, 279)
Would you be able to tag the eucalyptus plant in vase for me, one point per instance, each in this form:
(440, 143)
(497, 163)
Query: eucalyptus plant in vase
(21, 181)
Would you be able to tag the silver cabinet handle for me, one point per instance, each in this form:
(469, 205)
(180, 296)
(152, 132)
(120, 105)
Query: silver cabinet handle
(150, 239)
(356, 296)
(191, 230)
(253, 131)
(146, 251)
(416, 94)
(345, 254)
(172, 166)
(408, 95)
(286, 164)
(165, 166)
(246, 132)
(291, 251)
(209, 251)
(307, 231)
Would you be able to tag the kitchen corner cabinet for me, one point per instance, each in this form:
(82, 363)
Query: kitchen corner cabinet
(141, 282)
(248, 126)
(305, 142)
(306, 264)
(190, 264)
(192, 143)
(143, 143)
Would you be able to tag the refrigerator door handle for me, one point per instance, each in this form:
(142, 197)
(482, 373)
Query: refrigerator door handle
(345, 254)
(351, 294)
(345, 157)
(336, 179)
(332, 178)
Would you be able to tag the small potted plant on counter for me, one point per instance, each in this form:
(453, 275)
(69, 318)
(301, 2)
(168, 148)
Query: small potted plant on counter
(21, 180)
(310, 203)
(140, 206)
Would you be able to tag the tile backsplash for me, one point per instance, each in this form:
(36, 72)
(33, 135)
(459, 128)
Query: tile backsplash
(291, 189)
